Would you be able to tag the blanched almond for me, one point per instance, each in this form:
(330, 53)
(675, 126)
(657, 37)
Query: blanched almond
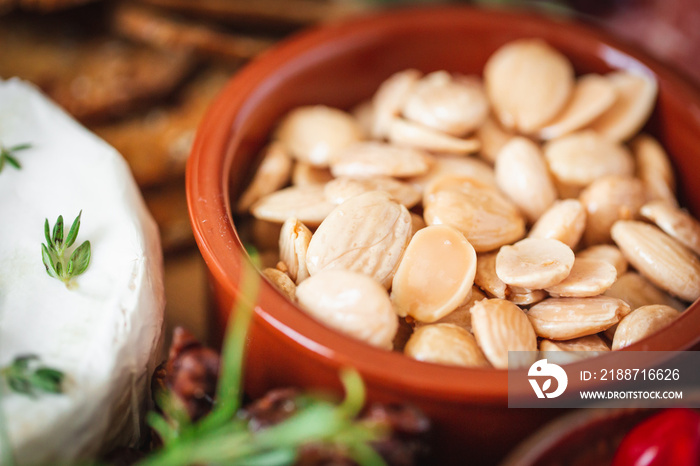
(528, 83)
(501, 326)
(417, 223)
(351, 303)
(370, 159)
(341, 189)
(435, 275)
(389, 99)
(534, 263)
(272, 174)
(282, 282)
(654, 169)
(606, 252)
(641, 323)
(492, 138)
(461, 316)
(293, 243)
(524, 296)
(636, 95)
(522, 174)
(592, 96)
(675, 222)
(480, 212)
(580, 158)
(364, 115)
(313, 134)
(565, 352)
(455, 105)
(455, 166)
(406, 133)
(445, 344)
(608, 200)
(588, 277)
(367, 234)
(564, 221)
(637, 291)
(304, 174)
(660, 258)
(567, 318)
(486, 277)
(306, 203)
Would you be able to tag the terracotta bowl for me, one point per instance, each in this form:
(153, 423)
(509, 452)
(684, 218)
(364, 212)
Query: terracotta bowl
(340, 65)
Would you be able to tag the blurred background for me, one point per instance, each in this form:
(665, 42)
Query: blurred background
(141, 74)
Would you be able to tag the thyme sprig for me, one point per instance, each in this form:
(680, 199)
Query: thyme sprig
(53, 253)
(25, 375)
(223, 437)
(8, 156)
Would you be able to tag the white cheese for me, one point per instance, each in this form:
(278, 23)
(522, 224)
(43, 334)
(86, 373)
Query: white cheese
(104, 334)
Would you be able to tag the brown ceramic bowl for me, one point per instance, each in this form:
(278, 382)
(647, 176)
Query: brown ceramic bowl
(340, 65)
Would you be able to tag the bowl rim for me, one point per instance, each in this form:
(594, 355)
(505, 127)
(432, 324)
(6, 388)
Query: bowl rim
(222, 250)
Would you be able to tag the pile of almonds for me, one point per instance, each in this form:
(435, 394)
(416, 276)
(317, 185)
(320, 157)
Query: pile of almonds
(518, 213)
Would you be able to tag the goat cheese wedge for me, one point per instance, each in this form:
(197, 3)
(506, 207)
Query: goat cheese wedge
(104, 332)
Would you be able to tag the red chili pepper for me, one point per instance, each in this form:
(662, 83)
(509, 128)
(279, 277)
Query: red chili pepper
(670, 438)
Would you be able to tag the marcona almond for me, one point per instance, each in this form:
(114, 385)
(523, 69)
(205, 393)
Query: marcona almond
(435, 275)
(608, 200)
(564, 221)
(445, 344)
(492, 138)
(606, 252)
(282, 282)
(565, 352)
(370, 159)
(364, 115)
(406, 133)
(341, 189)
(534, 263)
(588, 277)
(486, 277)
(313, 134)
(567, 318)
(524, 296)
(592, 96)
(480, 212)
(580, 158)
(522, 174)
(455, 166)
(455, 105)
(304, 174)
(351, 303)
(675, 222)
(461, 316)
(660, 258)
(389, 99)
(367, 234)
(528, 83)
(272, 174)
(654, 169)
(294, 241)
(636, 94)
(637, 291)
(501, 326)
(306, 203)
(641, 323)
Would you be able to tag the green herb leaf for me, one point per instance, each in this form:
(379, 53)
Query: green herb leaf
(54, 255)
(58, 233)
(48, 261)
(7, 155)
(22, 378)
(73, 233)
